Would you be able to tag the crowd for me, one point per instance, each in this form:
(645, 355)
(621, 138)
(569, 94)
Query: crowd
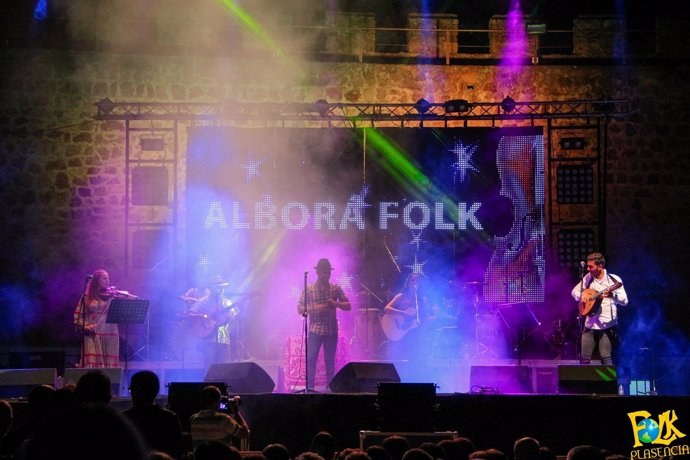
(77, 422)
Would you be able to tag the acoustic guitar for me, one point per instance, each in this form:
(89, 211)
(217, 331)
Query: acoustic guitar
(591, 299)
(395, 324)
(203, 325)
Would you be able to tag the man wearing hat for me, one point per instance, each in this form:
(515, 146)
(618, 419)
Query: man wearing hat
(209, 317)
(322, 301)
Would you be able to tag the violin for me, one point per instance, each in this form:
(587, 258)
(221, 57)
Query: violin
(112, 291)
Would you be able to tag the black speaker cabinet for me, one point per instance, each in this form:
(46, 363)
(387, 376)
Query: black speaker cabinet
(247, 377)
(587, 379)
(363, 377)
(38, 360)
(16, 383)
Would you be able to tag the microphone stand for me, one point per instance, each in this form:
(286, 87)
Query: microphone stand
(82, 303)
(305, 332)
(580, 318)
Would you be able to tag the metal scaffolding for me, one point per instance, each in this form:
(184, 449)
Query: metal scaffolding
(576, 142)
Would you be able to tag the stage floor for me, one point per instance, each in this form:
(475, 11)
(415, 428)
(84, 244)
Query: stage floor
(450, 375)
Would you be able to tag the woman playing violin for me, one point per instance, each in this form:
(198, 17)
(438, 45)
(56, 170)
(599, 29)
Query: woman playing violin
(101, 344)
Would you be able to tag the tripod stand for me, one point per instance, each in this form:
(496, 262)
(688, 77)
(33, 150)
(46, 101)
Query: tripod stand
(479, 348)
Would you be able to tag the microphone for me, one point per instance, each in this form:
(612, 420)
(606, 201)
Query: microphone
(88, 277)
(582, 264)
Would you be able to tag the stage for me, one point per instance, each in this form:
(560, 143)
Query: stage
(451, 376)
(491, 421)
(492, 402)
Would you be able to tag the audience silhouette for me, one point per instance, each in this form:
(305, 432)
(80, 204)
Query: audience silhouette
(160, 427)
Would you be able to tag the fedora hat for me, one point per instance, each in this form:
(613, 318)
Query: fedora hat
(216, 281)
(323, 264)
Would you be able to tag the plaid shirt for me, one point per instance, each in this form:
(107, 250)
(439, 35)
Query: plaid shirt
(322, 322)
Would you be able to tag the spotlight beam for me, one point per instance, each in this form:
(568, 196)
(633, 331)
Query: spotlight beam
(251, 25)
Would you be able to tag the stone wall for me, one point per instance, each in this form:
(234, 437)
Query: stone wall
(62, 197)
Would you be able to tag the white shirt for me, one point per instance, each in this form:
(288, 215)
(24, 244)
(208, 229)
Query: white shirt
(608, 315)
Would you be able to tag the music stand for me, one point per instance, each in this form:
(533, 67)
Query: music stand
(127, 311)
(518, 316)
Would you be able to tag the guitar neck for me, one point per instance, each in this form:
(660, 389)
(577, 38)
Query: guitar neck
(606, 290)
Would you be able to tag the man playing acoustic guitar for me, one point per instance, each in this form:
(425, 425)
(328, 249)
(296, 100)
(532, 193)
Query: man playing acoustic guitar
(208, 317)
(599, 293)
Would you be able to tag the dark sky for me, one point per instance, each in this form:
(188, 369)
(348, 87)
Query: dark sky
(557, 14)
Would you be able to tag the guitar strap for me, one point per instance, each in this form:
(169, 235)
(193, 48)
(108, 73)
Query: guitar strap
(612, 281)
(596, 310)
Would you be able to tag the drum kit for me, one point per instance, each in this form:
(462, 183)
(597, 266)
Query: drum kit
(495, 331)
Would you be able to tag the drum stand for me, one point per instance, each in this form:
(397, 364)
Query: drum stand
(367, 330)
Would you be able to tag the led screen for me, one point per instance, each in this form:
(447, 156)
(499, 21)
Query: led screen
(461, 206)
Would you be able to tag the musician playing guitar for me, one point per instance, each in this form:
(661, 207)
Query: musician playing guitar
(599, 293)
(405, 319)
(208, 317)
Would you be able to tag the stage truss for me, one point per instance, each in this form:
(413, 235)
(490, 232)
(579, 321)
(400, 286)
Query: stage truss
(357, 113)
(576, 133)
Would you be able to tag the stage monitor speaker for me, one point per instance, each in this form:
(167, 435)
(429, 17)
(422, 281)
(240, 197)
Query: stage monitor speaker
(247, 377)
(72, 376)
(38, 360)
(184, 398)
(587, 379)
(363, 377)
(16, 383)
(500, 379)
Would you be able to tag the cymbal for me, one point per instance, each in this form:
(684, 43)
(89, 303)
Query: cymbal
(473, 283)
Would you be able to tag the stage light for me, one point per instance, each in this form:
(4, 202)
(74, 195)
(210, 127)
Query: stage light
(456, 106)
(508, 104)
(152, 144)
(105, 106)
(422, 106)
(573, 143)
(321, 106)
